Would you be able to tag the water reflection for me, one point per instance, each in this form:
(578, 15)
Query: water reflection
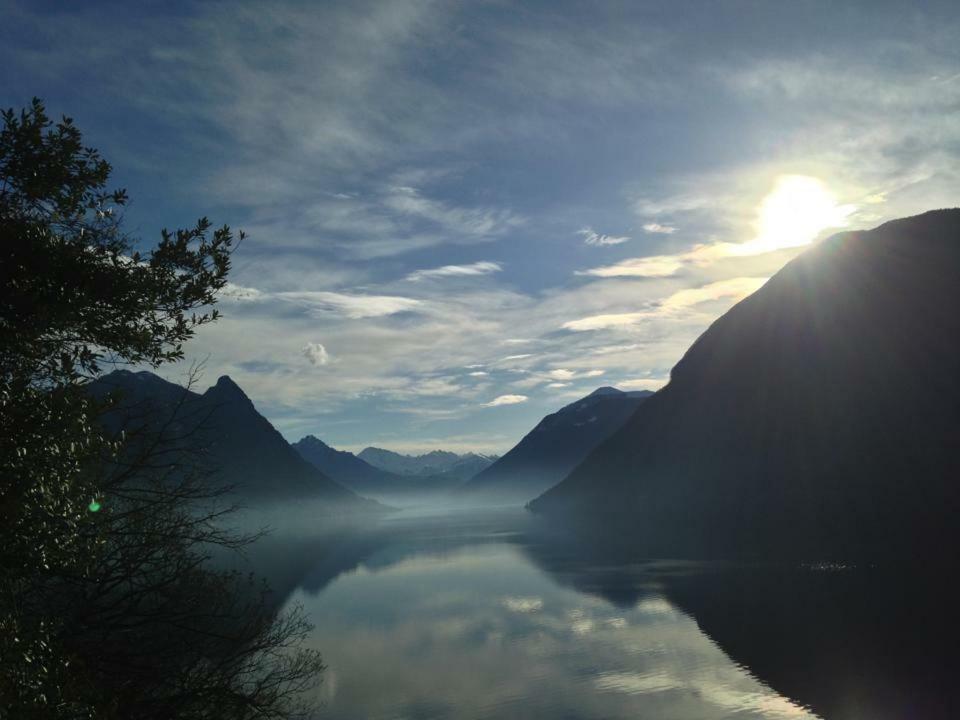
(473, 616)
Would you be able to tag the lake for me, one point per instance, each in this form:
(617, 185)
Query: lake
(491, 615)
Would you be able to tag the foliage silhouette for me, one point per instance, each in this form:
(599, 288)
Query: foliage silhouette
(106, 606)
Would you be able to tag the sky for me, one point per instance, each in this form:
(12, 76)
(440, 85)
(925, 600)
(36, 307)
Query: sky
(462, 216)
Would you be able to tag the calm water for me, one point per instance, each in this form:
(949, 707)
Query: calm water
(487, 616)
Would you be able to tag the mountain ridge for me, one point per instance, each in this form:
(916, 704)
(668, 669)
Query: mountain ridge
(435, 462)
(776, 432)
(345, 467)
(222, 429)
(546, 454)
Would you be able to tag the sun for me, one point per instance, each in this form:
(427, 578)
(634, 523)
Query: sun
(798, 209)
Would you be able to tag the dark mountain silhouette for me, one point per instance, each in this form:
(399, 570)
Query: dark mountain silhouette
(556, 445)
(818, 417)
(223, 433)
(345, 467)
(436, 462)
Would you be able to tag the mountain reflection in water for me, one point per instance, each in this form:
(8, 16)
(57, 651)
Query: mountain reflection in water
(491, 616)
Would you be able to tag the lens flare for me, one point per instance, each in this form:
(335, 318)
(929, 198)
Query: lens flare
(797, 210)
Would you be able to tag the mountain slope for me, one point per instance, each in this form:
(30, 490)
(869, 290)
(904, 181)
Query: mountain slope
(556, 445)
(222, 429)
(345, 467)
(819, 416)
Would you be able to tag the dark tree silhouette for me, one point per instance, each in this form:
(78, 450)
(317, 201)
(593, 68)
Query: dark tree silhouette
(107, 608)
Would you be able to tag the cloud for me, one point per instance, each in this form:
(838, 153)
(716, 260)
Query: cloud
(604, 322)
(564, 374)
(558, 385)
(386, 220)
(477, 268)
(593, 238)
(735, 288)
(232, 291)
(642, 384)
(375, 158)
(791, 214)
(522, 356)
(348, 305)
(419, 366)
(429, 386)
(658, 229)
(523, 604)
(479, 373)
(506, 400)
(655, 266)
(680, 202)
(471, 222)
(315, 353)
(352, 306)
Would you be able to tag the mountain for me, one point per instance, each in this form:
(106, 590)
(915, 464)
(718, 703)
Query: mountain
(819, 417)
(345, 467)
(223, 431)
(556, 445)
(362, 477)
(467, 466)
(437, 462)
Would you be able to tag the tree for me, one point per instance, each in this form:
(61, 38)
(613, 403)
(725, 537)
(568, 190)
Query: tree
(106, 606)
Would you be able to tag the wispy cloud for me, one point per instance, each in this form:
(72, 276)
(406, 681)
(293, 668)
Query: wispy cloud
(471, 222)
(565, 374)
(354, 306)
(658, 229)
(473, 269)
(605, 322)
(506, 400)
(653, 266)
(591, 237)
(735, 288)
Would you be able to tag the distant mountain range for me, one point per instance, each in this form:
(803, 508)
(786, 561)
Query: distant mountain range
(223, 432)
(555, 446)
(819, 417)
(435, 463)
(368, 473)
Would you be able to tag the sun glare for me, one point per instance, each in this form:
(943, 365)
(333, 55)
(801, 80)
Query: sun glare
(797, 209)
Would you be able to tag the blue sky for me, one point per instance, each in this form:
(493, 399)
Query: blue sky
(462, 216)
